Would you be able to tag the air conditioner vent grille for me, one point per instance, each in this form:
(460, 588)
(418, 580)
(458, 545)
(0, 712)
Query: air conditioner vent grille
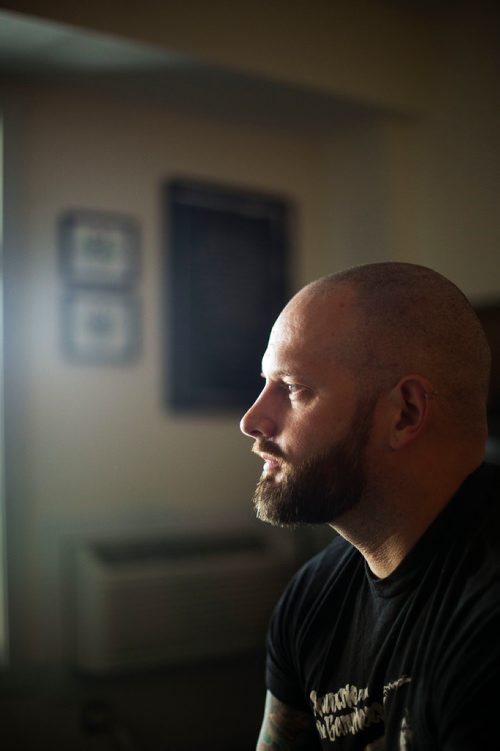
(140, 610)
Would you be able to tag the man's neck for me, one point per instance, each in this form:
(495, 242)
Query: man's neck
(384, 529)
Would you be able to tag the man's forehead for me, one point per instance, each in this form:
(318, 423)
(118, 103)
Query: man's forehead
(316, 315)
(309, 331)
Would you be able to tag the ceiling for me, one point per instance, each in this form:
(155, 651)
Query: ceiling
(44, 51)
(33, 45)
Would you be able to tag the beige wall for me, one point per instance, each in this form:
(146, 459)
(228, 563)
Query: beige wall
(459, 154)
(95, 450)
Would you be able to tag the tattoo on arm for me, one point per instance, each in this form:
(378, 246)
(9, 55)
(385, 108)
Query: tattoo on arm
(285, 729)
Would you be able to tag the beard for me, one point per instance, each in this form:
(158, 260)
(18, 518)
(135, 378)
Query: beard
(322, 488)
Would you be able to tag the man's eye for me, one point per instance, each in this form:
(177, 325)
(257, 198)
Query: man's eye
(293, 388)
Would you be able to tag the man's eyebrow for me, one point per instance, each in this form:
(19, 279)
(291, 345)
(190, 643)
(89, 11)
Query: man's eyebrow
(277, 374)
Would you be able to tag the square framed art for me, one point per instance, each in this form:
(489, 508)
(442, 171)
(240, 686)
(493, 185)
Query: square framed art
(98, 249)
(100, 327)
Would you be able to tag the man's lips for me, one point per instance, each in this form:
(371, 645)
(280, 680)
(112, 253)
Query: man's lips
(272, 458)
(271, 463)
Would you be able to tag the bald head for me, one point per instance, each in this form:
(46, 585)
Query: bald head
(407, 319)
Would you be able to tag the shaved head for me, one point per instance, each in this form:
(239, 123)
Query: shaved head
(410, 319)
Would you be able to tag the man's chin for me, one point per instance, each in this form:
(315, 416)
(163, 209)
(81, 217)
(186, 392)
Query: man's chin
(289, 503)
(268, 513)
(273, 480)
(273, 502)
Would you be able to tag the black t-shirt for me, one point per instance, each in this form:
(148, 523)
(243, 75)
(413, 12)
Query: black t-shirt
(409, 662)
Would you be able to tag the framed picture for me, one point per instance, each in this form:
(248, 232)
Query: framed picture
(226, 280)
(100, 327)
(98, 249)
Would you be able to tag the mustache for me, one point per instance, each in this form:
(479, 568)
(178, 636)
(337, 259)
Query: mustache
(265, 446)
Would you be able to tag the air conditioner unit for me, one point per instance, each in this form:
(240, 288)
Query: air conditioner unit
(151, 603)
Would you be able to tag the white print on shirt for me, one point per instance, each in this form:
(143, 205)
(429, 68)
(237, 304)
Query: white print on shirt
(405, 734)
(332, 726)
(394, 685)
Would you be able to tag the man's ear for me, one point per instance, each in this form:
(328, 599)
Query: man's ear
(410, 399)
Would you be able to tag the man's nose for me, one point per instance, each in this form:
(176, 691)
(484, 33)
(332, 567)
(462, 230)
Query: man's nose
(258, 422)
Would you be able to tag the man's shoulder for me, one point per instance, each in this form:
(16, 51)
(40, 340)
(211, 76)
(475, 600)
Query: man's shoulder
(481, 504)
(484, 481)
(323, 569)
(469, 551)
(336, 553)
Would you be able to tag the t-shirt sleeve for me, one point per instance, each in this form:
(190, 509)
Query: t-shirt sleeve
(285, 668)
(281, 677)
(291, 640)
(284, 677)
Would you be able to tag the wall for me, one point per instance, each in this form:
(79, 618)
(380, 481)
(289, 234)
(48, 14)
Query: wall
(459, 154)
(370, 198)
(430, 194)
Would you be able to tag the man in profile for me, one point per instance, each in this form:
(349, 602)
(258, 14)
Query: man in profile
(372, 419)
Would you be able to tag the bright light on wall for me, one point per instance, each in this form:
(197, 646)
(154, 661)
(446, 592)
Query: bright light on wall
(3, 597)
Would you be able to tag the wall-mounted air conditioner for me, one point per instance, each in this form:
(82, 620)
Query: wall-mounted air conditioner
(152, 603)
